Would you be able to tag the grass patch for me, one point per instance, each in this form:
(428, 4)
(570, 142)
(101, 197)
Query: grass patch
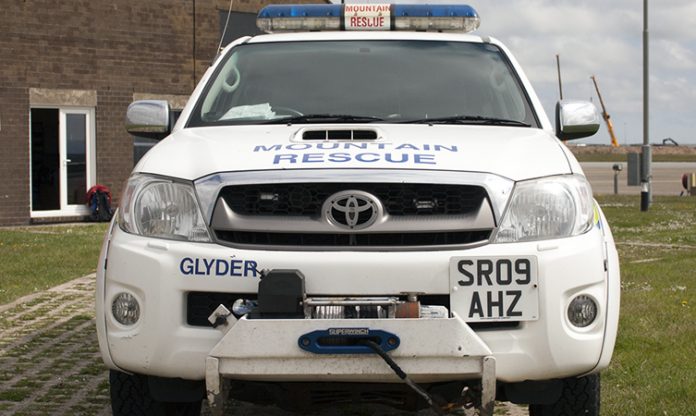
(653, 371)
(28, 383)
(15, 394)
(38, 258)
(94, 369)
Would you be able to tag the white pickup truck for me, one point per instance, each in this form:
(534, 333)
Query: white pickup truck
(366, 204)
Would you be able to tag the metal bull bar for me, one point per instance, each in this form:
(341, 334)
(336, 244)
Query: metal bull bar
(256, 350)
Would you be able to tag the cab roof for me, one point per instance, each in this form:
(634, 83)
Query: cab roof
(368, 35)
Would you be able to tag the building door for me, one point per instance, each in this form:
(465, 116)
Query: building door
(62, 160)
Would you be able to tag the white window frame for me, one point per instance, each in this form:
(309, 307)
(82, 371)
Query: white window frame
(67, 210)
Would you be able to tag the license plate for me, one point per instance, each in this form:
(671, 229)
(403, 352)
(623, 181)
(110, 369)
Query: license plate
(494, 288)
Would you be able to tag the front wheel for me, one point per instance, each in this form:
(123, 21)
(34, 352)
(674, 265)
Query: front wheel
(130, 396)
(580, 397)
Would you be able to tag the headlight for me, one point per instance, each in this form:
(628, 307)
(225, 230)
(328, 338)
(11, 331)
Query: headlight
(158, 207)
(554, 207)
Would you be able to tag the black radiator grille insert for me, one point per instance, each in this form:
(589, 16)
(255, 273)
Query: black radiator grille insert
(399, 199)
(352, 240)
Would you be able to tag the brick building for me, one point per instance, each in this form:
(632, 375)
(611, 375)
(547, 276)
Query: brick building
(68, 71)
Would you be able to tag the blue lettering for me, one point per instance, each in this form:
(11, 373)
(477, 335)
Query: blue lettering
(390, 158)
(424, 159)
(406, 146)
(339, 157)
(357, 145)
(289, 158)
(361, 157)
(298, 146)
(273, 148)
(186, 266)
(312, 158)
(208, 265)
(327, 146)
(426, 147)
(439, 147)
(221, 271)
(250, 268)
(220, 267)
(198, 268)
(236, 269)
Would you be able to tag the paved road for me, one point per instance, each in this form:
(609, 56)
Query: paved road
(666, 177)
(49, 359)
(50, 363)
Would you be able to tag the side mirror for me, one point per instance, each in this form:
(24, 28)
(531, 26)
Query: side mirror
(149, 118)
(576, 119)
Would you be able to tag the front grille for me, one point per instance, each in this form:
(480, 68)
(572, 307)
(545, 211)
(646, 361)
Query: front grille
(353, 240)
(399, 199)
(289, 215)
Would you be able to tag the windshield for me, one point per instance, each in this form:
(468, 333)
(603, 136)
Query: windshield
(363, 81)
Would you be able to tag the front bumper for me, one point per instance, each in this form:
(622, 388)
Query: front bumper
(163, 344)
(257, 350)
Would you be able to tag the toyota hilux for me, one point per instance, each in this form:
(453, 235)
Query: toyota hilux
(367, 203)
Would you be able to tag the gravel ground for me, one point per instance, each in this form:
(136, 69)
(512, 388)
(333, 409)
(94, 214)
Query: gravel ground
(50, 362)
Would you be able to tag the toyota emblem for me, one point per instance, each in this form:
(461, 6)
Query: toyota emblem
(352, 210)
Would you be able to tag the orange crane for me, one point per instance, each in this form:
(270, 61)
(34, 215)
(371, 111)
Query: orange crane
(605, 115)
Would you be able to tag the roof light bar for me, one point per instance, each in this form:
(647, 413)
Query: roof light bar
(413, 17)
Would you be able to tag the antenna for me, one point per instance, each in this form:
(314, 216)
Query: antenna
(224, 30)
(558, 66)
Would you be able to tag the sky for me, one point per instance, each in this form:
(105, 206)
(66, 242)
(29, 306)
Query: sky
(603, 38)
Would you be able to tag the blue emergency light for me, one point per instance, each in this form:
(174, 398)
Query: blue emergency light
(413, 17)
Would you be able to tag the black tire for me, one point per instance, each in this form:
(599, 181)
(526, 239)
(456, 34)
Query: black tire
(130, 396)
(580, 397)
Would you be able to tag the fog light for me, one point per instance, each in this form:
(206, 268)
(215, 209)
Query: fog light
(125, 309)
(582, 311)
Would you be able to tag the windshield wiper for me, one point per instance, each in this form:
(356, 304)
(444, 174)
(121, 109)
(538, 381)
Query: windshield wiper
(467, 120)
(323, 118)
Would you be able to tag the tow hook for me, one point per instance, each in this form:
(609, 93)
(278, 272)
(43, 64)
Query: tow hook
(220, 316)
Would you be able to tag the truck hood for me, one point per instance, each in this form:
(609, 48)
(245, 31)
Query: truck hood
(516, 153)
